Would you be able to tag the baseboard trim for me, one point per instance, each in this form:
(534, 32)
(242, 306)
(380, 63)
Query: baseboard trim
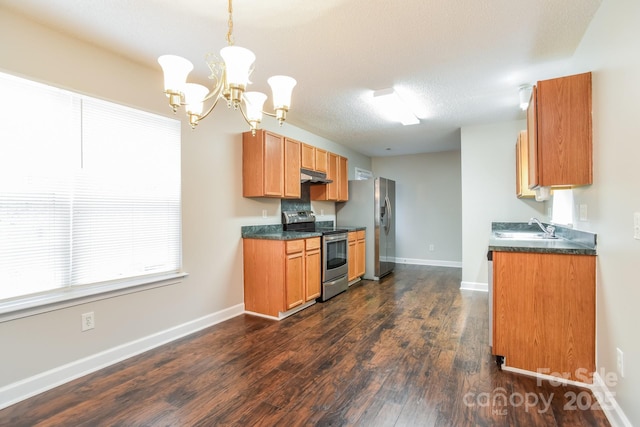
(431, 262)
(474, 286)
(608, 403)
(603, 395)
(29, 387)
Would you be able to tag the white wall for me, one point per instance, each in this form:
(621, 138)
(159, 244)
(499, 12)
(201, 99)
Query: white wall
(428, 206)
(611, 50)
(489, 192)
(213, 210)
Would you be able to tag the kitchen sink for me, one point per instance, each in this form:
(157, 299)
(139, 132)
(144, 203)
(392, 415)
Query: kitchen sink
(523, 235)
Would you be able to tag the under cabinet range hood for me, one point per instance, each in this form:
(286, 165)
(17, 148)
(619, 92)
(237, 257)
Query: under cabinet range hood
(313, 177)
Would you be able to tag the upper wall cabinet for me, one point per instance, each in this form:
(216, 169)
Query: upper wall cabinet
(522, 167)
(314, 158)
(270, 165)
(337, 171)
(559, 132)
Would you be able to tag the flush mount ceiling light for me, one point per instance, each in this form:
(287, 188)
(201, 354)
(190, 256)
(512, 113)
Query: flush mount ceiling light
(524, 93)
(230, 79)
(393, 107)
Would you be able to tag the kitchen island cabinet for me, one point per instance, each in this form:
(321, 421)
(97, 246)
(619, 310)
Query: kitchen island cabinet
(280, 275)
(544, 313)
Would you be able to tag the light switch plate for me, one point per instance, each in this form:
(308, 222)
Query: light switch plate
(583, 212)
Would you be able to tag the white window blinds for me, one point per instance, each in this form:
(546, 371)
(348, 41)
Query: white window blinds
(89, 191)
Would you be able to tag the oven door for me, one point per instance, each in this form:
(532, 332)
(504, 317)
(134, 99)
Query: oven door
(334, 256)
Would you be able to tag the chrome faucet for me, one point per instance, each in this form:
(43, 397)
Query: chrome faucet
(549, 230)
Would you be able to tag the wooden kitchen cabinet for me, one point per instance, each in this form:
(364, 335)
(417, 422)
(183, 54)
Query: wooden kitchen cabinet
(544, 312)
(356, 254)
(560, 132)
(280, 275)
(308, 157)
(270, 165)
(313, 270)
(343, 179)
(522, 167)
(313, 158)
(321, 160)
(337, 171)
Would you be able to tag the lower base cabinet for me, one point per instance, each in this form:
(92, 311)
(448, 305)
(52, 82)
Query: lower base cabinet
(280, 275)
(544, 313)
(356, 254)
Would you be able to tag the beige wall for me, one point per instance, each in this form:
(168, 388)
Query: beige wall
(489, 192)
(428, 206)
(611, 50)
(213, 209)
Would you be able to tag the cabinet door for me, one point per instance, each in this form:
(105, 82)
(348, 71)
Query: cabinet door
(292, 169)
(273, 165)
(532, 138)
(561, 150)
(522, 166)
(321, 160)
(328, 191)
(294, 280)
(308, 157)
(544, 312)
(352, 259)
(313, 280)
(343, 179)
(360, 253)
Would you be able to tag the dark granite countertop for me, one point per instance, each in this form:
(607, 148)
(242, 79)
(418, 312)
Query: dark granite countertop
(275, 232)
(569, 241)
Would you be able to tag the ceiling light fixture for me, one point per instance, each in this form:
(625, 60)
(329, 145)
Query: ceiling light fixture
(231, 77)
(393, 107)
(524, 93)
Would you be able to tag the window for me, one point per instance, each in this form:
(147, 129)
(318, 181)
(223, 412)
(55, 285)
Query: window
(562, 209)
(89, 191)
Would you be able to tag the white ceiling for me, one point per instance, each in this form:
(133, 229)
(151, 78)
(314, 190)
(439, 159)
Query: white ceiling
(462, 59)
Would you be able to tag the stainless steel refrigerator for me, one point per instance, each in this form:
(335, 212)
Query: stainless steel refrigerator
(371, 204)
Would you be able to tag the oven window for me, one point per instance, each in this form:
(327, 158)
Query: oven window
(336, 254)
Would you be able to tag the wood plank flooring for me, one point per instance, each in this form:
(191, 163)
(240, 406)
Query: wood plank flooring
(411, 350)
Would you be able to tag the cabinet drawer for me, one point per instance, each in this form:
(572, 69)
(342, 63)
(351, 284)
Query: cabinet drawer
(360, 234)
(313, 243)
(352, 236)
(295, 246)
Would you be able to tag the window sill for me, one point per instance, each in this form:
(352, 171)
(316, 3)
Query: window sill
(71, 296)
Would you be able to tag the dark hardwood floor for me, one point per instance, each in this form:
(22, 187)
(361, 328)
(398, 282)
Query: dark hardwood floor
(411, 350)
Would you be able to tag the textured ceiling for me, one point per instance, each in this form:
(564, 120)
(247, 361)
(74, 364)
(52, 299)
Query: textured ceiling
(463, 60)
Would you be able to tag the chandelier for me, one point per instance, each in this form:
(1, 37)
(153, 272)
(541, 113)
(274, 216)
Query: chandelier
(230, 79)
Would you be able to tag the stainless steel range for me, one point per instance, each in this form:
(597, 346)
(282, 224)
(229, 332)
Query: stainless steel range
(334, 250)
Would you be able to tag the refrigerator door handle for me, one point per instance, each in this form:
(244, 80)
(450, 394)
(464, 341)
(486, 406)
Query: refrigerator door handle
(387, 225)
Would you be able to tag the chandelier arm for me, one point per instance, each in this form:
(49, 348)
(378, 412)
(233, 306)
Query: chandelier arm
(206, 113)
(244, 115)
(269, 114)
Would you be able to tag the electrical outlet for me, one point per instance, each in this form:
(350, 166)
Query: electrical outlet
(432, 247)
(88, 321)
(264, 213)
(636, 225)
(620, 362)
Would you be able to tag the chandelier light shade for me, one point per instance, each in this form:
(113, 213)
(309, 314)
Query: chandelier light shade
(176, 69)
(231, 78)
(254, 102)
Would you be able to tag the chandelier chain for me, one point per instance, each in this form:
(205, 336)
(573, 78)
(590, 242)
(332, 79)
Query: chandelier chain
(230, 24)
